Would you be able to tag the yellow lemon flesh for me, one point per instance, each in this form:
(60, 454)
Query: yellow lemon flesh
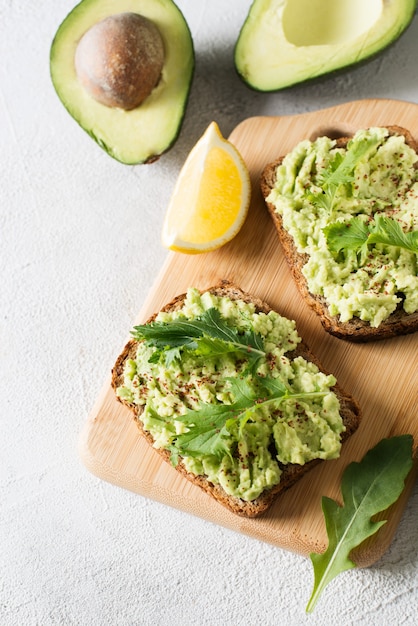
(211, 197)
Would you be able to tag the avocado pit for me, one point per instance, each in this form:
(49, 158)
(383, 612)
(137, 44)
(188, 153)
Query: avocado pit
(119, 60)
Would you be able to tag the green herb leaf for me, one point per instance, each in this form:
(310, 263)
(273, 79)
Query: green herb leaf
(342, 168)
(389, 231)
(368, 487)
(207, 425)
(178, 333)
(356, 234)
(211, 425)
(206, 434)
(340, 171)
(208, 335)
(350, 235)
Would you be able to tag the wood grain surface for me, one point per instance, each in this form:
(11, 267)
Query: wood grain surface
(382, 376)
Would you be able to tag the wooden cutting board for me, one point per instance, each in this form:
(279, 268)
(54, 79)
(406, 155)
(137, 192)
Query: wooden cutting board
(382, 376)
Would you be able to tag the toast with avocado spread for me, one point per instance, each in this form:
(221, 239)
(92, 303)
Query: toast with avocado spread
(346, 213)
(223, 387)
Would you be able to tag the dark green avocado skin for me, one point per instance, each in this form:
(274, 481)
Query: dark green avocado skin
(254, 27)
(143, 134)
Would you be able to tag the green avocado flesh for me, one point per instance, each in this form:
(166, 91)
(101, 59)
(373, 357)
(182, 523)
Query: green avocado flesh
(142, 134)
(285, 42)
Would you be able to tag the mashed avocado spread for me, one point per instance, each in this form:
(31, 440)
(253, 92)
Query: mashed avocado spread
(354, 212)
(220, 391)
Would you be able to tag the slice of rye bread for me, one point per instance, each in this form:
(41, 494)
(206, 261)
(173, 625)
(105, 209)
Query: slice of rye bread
(356, 330)
(349, 412)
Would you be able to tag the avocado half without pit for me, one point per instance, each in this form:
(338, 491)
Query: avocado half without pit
(286, 42)
(123, 70)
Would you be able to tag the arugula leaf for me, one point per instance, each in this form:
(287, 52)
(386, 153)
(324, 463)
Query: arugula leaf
(389, 231)
(340, 171)
(211, 425)
(352, 235)
(368, 487)
(356, 234)
(207, 436)
(208, 335)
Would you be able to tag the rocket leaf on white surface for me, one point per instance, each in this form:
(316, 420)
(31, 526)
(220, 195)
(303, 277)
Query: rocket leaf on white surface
(368, 488)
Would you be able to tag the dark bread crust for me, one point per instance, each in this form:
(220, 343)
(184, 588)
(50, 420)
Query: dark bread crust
(356, 330)
(349, 411)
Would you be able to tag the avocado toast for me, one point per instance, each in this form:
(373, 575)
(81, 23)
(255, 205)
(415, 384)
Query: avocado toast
(225, 390)
(346, 213)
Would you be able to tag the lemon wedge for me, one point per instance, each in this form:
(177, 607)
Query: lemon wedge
(211, 197)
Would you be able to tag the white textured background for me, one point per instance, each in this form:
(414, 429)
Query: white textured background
(80, 249)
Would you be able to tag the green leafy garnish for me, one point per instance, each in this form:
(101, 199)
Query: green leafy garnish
(340, 171)
(368, 488)
(210, 426)
(356, 234)
(389, 231)
(350, 235)
(207, 335)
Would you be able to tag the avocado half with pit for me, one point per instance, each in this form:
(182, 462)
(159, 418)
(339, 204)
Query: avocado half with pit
(123, 69)
(285, 42)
